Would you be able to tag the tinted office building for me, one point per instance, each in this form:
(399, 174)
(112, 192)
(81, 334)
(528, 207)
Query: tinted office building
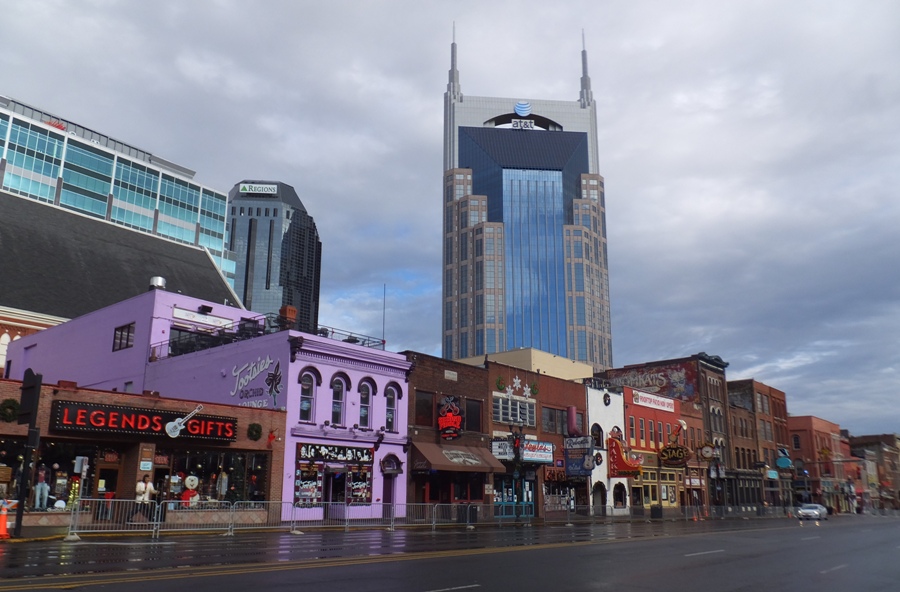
(525, 255)
(64, 164)
(277, 251)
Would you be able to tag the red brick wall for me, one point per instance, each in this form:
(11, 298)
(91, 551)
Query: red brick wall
(268, 419)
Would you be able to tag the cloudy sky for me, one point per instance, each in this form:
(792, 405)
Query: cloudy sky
(751, 152)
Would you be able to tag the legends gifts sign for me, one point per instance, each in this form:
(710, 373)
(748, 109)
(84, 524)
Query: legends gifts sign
(76, 416)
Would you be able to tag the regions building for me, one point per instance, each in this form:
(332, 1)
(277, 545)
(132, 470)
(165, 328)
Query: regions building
(524, 253)
(59, 162)
(277, 251)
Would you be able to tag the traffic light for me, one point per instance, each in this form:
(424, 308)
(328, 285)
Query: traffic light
(31, 394)
(517, 446)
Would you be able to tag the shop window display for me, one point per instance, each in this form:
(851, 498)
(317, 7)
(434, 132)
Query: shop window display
(51, 479)
(220, 476)
(333, 474)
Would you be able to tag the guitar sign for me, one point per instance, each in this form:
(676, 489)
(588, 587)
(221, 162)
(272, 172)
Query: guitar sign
(173, 428)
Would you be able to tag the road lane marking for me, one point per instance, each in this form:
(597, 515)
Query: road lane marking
(86, 580)
(704, 553)
(810, 538)
(142, 544)
(456, 588)
(835, 568)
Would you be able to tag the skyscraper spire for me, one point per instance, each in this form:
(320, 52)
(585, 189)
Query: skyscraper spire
(586, 96)
(453, 85)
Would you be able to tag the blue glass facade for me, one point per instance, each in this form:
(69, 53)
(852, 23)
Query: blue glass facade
(134, 195)
(530, 180)
(33, 159)
(533, 217)
(67, 165)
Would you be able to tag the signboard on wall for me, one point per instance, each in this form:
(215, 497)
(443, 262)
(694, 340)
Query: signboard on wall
(537, 452)
(652, 401)
(329, 453)
(677, 381)
(78, 416)
(258, 188)
(449, 418)
(502, 449)
(579, 463)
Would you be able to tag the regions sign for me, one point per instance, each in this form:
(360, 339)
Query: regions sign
(253, 188)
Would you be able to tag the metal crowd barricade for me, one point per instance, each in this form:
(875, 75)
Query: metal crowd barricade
(372, 515)
(262, 515)
(307, 515)
(111, 516)
(408, 515)
(192, 515)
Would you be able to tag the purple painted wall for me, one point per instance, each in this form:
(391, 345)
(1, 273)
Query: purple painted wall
(81, 350)
(257, 372)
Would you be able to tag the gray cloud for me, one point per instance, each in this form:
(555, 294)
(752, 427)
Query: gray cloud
(751, 152)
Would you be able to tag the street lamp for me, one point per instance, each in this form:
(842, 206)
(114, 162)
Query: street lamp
(517, 436)
(763, 467)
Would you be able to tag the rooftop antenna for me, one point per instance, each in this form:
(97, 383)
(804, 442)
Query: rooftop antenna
(587, 96)
(383, 308)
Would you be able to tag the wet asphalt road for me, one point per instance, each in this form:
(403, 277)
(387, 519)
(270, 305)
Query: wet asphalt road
(138, 563)
(129, 553)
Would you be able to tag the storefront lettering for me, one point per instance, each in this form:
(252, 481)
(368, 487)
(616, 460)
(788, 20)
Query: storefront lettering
(675, 455)
(249, 371)
(334, 453)
(94, 417)
(111, 420)
(250, 393)
(449, 418)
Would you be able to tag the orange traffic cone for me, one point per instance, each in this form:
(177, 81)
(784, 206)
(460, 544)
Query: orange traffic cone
(4, 534)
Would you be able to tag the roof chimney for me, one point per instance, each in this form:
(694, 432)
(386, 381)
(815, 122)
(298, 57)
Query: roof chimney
(157, 283)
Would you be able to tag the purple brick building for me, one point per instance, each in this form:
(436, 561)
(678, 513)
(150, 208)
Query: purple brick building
(344, 401)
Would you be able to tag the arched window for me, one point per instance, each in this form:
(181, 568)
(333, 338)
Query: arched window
(796, 441)
(307, 397)
(390, 418)
(338, 390)
(365, 404)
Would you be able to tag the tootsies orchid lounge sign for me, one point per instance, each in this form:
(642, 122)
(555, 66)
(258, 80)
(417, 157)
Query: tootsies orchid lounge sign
(74, 416)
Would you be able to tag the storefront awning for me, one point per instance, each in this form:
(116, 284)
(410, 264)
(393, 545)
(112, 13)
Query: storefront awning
(429, 456)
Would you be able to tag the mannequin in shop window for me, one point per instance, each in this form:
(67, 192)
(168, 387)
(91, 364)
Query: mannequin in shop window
(222, 484)
(41, 487)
